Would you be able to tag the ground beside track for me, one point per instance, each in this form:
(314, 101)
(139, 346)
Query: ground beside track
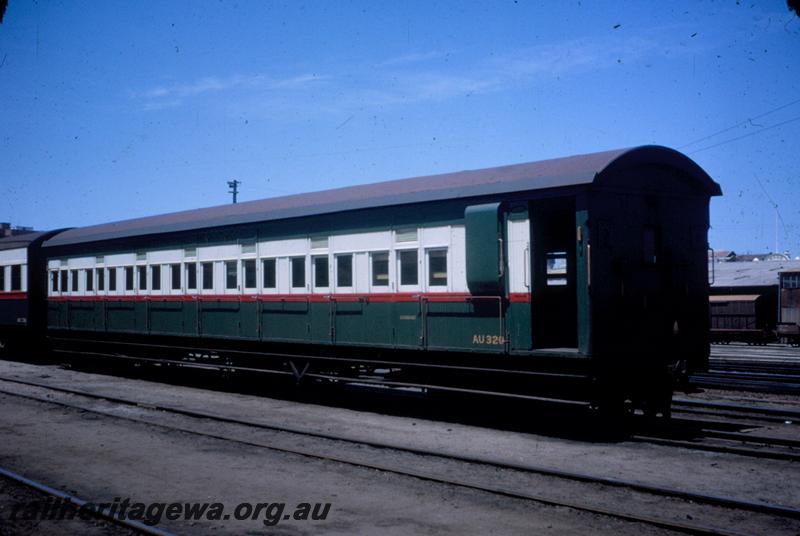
(103, 458)
(20, 502)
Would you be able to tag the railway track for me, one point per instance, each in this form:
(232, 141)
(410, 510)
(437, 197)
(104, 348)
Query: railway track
(770, 368)
(721, 423)
(708, 436)
(746, 413)
(81, 504)
(748, 381)
(664, 522)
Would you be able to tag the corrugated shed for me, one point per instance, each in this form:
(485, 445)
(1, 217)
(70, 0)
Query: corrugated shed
(556, 173)
(751, 274)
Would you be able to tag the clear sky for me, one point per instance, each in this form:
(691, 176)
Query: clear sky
(111, 110)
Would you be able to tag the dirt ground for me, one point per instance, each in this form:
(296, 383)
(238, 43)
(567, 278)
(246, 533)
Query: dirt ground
(103, 458)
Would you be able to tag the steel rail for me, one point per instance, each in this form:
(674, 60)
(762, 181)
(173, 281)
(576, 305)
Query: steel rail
(727, 502)
(642, 437)
(730, 414)
(496, 490)
(741, 451)
(778, 412)
(79, 504)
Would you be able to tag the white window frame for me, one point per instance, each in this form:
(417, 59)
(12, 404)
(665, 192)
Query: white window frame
(313, 282)
(376, 287)
(260, 275)
(237, 270)
(243, 281)
(335, 273)
(438, 288)
(398, 271)
(304, 289)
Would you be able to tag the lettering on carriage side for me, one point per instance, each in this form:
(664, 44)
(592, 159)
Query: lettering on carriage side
(488, 339)
(22, 320)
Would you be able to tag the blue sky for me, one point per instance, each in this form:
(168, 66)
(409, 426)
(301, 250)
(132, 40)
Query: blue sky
(112, 110)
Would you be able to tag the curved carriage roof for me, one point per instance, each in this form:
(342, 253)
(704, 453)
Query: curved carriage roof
(19, 241)
(554, 173)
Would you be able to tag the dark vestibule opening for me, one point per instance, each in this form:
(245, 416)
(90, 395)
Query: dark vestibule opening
(554, 307)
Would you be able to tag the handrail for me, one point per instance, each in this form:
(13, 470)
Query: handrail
(502, 268)
(713, 267)
(525, 266)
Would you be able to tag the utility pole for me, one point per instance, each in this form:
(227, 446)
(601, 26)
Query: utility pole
(234, 188)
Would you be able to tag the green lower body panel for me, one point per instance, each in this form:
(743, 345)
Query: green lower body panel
(220, 319)
(122, 317)
(474, 325)
(471, 325)
(518, 326)
(285, 321)
(169, 318)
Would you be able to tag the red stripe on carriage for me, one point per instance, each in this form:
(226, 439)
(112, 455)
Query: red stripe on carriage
(400, 297)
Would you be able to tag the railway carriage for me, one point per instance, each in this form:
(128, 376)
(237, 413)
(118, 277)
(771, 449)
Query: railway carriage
(22, 293)
(746, 318)
(788, 328)
(580, 278)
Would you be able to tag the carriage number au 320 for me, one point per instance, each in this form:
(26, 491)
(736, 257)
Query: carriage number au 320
(488, 339)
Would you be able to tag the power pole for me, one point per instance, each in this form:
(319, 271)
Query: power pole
(234, 188)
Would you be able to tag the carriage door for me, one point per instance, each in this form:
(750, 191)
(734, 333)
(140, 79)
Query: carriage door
(554, 296)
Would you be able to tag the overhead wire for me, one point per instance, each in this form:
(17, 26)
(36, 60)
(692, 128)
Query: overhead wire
(740, 123)
(737, 138)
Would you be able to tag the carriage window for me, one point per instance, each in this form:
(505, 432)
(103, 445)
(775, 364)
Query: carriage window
(380, 269)
(175, 276)
(2, 278)
(73, 274)
(64, 281)
(53, 280)
(155, 276)
(437, 267)
(344, 270)
(556, 268)
(320, 271)
(191, 276)
(89, 281)
(231, 275)
(129, 278)
(298, 272)
(268, 267)
(112, 279)
(208, 275)
(249, 269)
(319, 242)
(405, 235)
(101, 282)
(408, 267)
(16, 277)
(142, 271)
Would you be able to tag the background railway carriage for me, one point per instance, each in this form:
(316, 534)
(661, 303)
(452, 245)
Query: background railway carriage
(576, 278)
(742, 317)
(22, 291)
(788, 329)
